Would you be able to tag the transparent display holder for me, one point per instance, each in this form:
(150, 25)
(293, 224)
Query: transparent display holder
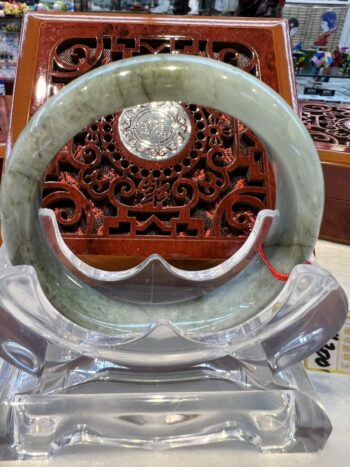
(62, 385)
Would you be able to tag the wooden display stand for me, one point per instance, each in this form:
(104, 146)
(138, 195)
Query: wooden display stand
(329, 126)
(212, 221)
(200, 204)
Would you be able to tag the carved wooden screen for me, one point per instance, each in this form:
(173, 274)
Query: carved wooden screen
(201, 203)
(329, 127)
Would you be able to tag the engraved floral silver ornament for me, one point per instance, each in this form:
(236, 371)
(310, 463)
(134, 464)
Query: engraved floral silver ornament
(155, 131)
(165, 78)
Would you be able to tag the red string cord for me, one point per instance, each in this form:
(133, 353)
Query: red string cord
(280, 276)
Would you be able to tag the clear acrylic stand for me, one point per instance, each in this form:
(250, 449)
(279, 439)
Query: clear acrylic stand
(215, 402)
(162, 387)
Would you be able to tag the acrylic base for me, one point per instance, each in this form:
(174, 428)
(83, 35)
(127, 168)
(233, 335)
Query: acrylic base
(62, 386)
(216, 402)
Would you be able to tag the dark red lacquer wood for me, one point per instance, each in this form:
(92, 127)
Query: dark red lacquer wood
(328, 124)
(329, 127)
(4, 126)
(201, 203)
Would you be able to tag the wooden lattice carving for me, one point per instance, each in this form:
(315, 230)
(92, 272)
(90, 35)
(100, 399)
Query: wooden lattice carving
(201, 203)
(327, 123)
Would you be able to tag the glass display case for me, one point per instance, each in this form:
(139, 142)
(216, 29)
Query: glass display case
(9, 41)
(320, 48)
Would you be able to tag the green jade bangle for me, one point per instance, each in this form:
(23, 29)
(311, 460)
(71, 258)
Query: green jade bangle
(140, 80)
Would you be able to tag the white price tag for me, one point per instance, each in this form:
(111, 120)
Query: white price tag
(334, 357)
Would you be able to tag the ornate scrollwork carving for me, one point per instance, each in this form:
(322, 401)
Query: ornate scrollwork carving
(327, 123)
(212, 187)
(73, 57)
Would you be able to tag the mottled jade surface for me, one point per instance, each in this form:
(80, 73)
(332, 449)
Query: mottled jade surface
(162, 78)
